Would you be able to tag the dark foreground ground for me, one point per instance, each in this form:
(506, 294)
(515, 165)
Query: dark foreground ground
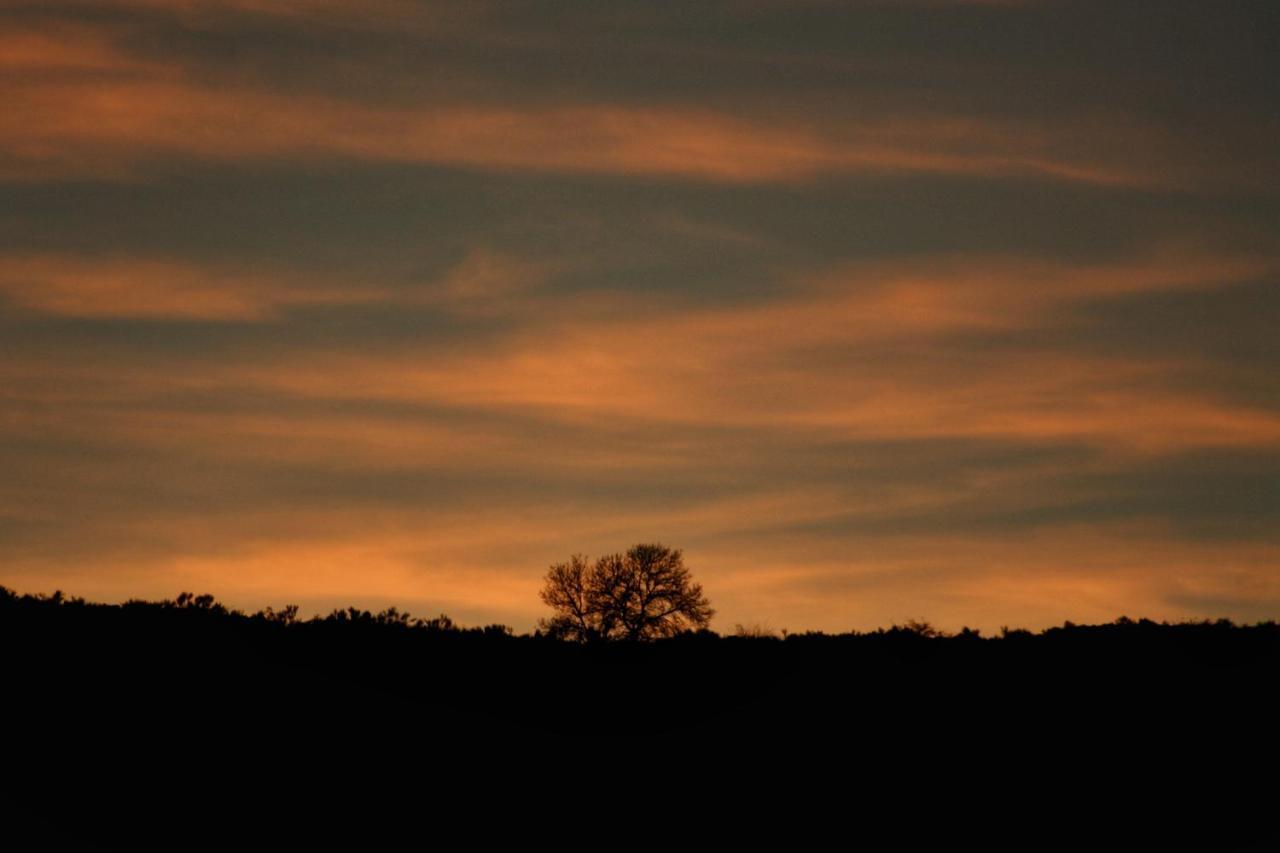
(159, 726)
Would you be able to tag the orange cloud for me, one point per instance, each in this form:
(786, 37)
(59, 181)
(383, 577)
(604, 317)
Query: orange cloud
(809, 361)
(153, 288)
(485, 557)
(861, 353)
(74, 48)
(483, 282)
(111, 124)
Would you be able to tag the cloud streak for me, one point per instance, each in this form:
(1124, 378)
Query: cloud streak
(113, 129)
(83, 105)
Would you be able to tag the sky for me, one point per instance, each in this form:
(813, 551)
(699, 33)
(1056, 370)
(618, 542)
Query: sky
(956, 311)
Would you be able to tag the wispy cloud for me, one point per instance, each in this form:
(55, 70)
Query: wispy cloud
(154, 288)
(102, 100)
(113, 129)
(98, 110)
(874, 352)
(144, 287)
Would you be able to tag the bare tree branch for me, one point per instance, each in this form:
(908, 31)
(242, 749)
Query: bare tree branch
(644, 594)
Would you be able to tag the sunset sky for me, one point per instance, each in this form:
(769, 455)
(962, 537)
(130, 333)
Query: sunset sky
(966, 312)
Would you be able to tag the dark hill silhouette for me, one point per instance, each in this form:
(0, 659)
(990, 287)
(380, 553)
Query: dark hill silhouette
(129, 726)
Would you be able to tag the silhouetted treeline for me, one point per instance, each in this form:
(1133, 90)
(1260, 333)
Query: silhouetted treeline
(189, 609)
(189, 690)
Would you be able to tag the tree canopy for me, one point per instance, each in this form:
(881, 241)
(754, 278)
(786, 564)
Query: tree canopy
(644, 594)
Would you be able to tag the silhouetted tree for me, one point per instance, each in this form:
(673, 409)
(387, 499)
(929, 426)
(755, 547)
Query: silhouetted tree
(287, 615)
(439, 623)
(643, 594)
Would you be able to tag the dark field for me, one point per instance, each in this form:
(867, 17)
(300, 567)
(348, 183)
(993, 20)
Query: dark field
(186, 726)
